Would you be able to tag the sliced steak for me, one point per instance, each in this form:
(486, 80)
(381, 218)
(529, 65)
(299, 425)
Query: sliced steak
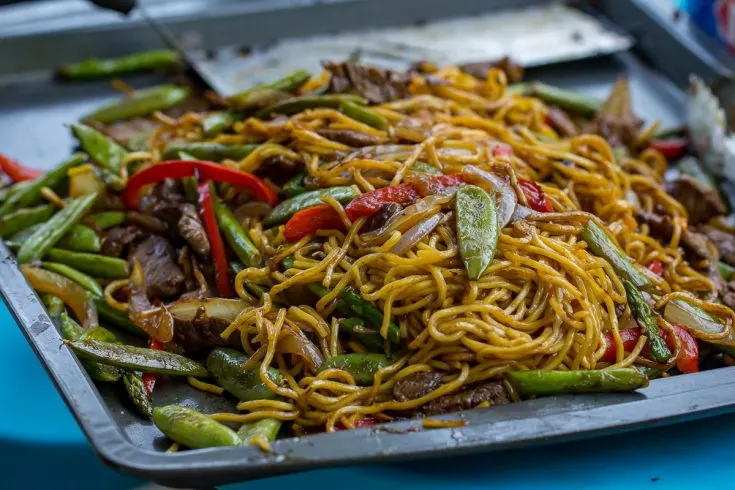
(349, 137)
(561, 122)
(164, 202)
(192, 230)
(724, 242)
(278, 168)
(163, 277)
(491, 392)
(417, 385)
(116, 241)
(375, 84)
(513, 71)
(700, 201)
(386, 212)
(662, 228)
(198, 334)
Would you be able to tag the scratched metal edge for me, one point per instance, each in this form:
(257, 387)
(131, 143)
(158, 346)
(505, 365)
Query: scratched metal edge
(540, 421)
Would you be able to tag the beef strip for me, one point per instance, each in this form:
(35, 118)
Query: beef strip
(197, 334)
(724, 242)
(124, 131)
(278, 169)
(164, 202)
(349, 137)
(727, 294)
(662, 228)
(380, 218)
(513, 71)
(421, 384)
(117, 240)
(192, 230)
(375, 84)
(561, 122)
(700, 201)
(163, 277)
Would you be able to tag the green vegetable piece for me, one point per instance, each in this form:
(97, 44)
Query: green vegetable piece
(517, 89)
(71, 331)
(358, 330)
(30, 194)
(601, 244)
(92, 264)
(690, 166)
(298, 104)
(362, 367)
(138, 358)
(235, 236)
(289, 207)
(23, 219)
(99, 333)
(219, 122)
(139, 142)
(644, 315)
(7, 191)
(295, 185)
(566, 99)
(726, 271)
(265, 428)
(210, 151)
(51, 232)
(477, 229)
(561, 382)
(137, 394)
(80, 238)
(141, 103)
(54, 305)
(87, 282)
(111, 67)
(102, 149)
(289, 83)
(363, 115)
(106, 220)
(111, 316)
(649, 372)
(425, 168)
(236, 267)
(193, 429)
(225, 364)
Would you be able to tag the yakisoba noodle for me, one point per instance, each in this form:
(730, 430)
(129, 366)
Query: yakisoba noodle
(544, 303)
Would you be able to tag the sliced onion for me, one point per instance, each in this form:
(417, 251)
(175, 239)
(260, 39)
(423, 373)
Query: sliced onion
(86, 182)
(210, 308)
(416, 234)
(698, 322)
(408, 217)
(252, 209)
(499, 188)
(382, 152)
(71, 293)
(296, 343)
(156, 322)
(522, 212)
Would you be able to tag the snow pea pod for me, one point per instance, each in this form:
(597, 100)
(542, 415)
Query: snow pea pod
(235, 236)
(87, 282)
(54, 305)
(110, 67)
(225, 364)
(106, 219)
(287, 208)
(363, 115)
(141, 103)
(80, 238)
(295, 185)
(24, 218)
(209, 151)
(51, 232)
(583, 104)
(362, 367)
(358, 330)
(265, 428)
(137, 358)
(561, 382)
(477, 229)
(111, 316)
(193, 429)
(71, 331)
(302, 103)
(220, 121)
(101, 148)
(92, 264)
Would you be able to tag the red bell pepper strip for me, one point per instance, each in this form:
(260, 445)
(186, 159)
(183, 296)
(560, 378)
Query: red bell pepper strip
(205, 171)
(629, 336)
(221, 270)
(17, 171)
(671, 148)
(310, 220)
(537, 199)
(656, 266)
(370, 203)
(687, 361)
(149, 379)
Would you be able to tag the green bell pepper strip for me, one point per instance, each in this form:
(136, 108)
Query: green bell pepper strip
(106, 219)
(111, 316)
(562, 382)
(87, 282)
(289, 207)
(193, 429)
(80, 238)
(235, 236)
(644, 315)
(225, 365)
(54, 305)
(477, 229)
(137, 358)
(295, 185)
(30, 194)
(71, 331)
(24, 218)
(51, 232)
(209, 151)
(265, 428)
(140, 103)
(137, 394)
(92, 264)
(601, 245)
(298, 104)
(362, 367)
(363, 115)
(111, 67)
(101, 148)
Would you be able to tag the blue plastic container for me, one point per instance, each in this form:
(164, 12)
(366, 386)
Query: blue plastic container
(715, 17)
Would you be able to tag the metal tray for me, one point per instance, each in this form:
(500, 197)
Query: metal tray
(32, 114)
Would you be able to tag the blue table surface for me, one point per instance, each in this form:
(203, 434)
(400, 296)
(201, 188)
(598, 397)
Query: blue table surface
(37, 432)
